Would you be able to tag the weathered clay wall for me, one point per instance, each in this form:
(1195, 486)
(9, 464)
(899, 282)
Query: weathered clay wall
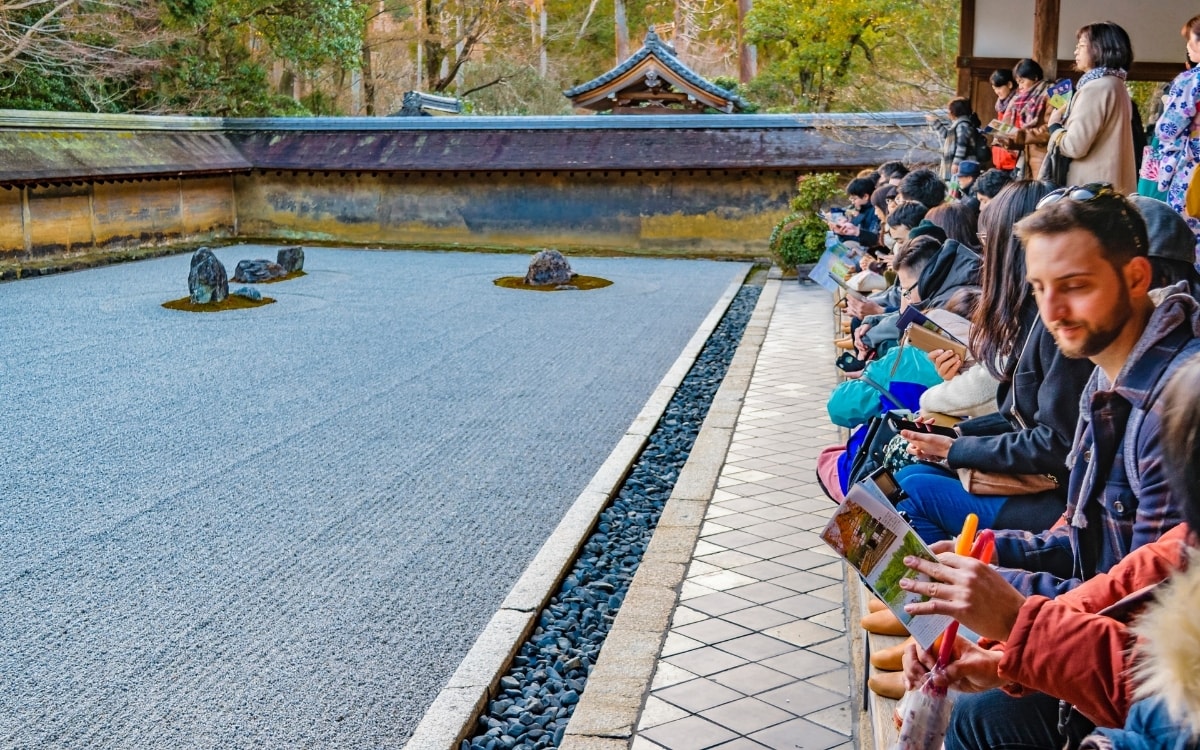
(693, 212)
(70, 220)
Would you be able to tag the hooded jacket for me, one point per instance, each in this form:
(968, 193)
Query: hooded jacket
(954, 267)
(1168, 715)
(1080, 646)
(1118, 494)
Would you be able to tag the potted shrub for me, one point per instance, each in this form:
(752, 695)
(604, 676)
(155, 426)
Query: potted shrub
(799, 239)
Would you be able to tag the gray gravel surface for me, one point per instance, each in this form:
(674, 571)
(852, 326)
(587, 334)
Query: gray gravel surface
(284, 527)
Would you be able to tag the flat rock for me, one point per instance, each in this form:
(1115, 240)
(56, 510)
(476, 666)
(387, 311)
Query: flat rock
(251, 271)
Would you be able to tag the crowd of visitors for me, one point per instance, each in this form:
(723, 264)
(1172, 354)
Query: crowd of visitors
(1067, 368)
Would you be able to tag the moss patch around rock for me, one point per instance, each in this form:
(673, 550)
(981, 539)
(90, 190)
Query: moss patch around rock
(232, 302)
(582, 283)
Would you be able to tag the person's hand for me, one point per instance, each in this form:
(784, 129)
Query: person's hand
(861, 308)
(1055, 117)
(967, 590)
(927, 445)
(847, 229)
(858, 339)
(864, 263)
(972, 669)
(945, 545)
(948, 363)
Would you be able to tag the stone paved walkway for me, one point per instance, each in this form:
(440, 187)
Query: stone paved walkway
(758, 655)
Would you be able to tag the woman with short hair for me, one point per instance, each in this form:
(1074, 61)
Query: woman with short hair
(1095, 128)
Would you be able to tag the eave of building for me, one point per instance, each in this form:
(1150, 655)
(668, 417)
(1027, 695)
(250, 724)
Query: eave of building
(602, 96)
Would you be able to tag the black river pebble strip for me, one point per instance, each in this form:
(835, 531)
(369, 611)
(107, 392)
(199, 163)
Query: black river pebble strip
(538, 694)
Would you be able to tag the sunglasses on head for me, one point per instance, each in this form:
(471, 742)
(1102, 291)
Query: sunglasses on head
(1078, 193)
(1090, 192)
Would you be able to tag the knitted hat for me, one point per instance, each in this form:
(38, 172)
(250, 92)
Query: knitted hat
(927, 227)
(1169, 234)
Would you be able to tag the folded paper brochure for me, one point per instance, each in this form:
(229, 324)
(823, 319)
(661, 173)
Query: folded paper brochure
(875, 539)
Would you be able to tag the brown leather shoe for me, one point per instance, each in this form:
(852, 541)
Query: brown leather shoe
(890, 659)
(846, 343)
(884, 623)
(845, 326)
(875, 604)
(887, 684)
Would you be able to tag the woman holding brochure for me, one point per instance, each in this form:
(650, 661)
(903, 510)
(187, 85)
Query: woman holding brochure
(1038, 396)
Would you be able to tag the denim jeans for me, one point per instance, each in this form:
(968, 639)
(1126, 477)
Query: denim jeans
(937, 504)
(994, 720)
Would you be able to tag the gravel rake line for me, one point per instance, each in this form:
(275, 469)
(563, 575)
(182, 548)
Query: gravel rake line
(538, 694)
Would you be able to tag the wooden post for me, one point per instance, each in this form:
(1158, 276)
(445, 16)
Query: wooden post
(1045, 36)
(966, 50)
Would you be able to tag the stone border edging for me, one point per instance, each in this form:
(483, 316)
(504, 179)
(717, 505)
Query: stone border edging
(449, 718)
(616, 689)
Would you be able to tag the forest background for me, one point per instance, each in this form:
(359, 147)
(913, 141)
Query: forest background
(248, 58)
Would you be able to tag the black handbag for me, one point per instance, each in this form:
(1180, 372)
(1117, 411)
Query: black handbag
(1055, 166)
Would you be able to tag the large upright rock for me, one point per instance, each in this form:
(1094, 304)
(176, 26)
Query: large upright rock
(549, 267)
(291, 258)
(207, 281)
(252, 271)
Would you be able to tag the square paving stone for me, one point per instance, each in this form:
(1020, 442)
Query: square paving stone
(718, 603)
(747, 715)
(712, 631)
(771, 512)
(802, 581)
(755, 647)
(801, 698)
(762, 592)
(807, 665)
(758, 618)
(836, 718)
(734, 539)
(667, 674)
(767, 549)
(802, 606)
(740, 521)
(803, 559)
(705, 661)
(657, 712)
(692, 733)
(802, 633)
(764, 570)
(722, 580)
(769, 529)
(699, 694)
(741, 743)
(837, 680)
(799, 734)
(686, 616)
(834, 619)
(678, 644)
(752, 679)
(728, 559)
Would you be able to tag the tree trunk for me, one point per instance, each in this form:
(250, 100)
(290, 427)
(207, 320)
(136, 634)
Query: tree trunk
(747, 54)
(622, 30)
(543, 62)
(368, 82)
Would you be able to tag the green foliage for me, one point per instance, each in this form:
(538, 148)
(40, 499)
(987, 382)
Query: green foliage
(800, 236)
(842, 54)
